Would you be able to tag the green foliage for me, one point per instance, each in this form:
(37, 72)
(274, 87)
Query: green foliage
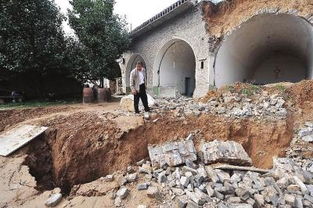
(31, 36)
(281, 87)
(32, 48)
(250, 90)
(34, 104)
(102, 35)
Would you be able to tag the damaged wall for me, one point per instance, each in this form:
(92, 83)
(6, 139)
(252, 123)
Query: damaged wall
(260, 41)
(227, 15)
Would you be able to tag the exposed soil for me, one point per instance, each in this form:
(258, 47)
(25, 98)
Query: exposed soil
(227, 15)
(84, 145)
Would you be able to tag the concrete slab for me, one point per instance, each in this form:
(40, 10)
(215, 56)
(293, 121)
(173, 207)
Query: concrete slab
(14, 139)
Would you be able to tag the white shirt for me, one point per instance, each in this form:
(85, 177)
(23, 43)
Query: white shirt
(141, 77)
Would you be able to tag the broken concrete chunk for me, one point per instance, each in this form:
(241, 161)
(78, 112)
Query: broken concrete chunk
(153, 192)
(108, 178)
(172, 153)
(228, 152)
(122, 192)
(54, 200)
(142, 186)
(131, 177)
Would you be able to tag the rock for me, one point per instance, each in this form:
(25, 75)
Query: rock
(122, 181)
(308, 138)
(184, 181)
(234, 200)
(131, 177)
(218, 195)
(226, 152)
(54, 200)
(192, 204)
(290, 199)
(259, 200)
(209, 190)
(308, 198)
(212, 174)
(251, 202)
(142, 186)
(310, 189)
(117, 202)
(198, 199)
(172, 153)
(188, 169)
(162, 178)
(271, 195)
(240, 206)
(122, 192)
(293, 189)
(146, 116)
(236, 177)
(145, 168)
(283, 182)
(141, 162)
(142, 206)
(298, 202)
(244, 194)
(153, 192)
(301, 185)
(222, 175)
(108, 178)
(182, 201)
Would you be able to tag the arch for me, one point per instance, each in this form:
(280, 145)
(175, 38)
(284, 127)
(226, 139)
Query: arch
(268, 48)
(131, 64)
(174, 69)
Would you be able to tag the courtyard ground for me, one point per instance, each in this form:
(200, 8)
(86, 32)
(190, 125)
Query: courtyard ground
(85, 143)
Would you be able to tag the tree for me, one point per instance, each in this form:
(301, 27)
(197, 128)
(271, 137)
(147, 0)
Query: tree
(102, 34)
(31, 36)
(32, 47)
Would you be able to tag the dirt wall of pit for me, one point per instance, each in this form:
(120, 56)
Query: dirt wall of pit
(225, 16)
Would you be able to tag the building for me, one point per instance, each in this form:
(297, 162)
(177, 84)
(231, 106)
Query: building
(194, 45)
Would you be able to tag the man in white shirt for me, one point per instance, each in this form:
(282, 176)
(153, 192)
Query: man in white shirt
(138, 86)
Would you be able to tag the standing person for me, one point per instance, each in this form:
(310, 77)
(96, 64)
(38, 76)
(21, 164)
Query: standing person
(138, 86)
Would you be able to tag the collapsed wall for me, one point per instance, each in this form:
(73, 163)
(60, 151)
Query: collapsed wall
(260, 42)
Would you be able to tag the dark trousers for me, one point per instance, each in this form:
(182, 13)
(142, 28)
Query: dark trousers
(144, 98)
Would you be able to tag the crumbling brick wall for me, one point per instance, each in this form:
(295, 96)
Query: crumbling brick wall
(229, 14)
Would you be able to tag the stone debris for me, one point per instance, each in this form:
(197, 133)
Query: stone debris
(172, 153)
(306, 133)
(190, 181)
(122, 192)
(225, 152)
(229, 104)
(108, 178)
(153, 192)
(142, 186)
(54, 200)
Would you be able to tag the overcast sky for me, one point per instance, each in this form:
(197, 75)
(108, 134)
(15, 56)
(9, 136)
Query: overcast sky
(136, 11)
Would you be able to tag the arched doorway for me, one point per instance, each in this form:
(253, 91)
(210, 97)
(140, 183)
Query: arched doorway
(130, 66)
(266, 49)
(175, 69)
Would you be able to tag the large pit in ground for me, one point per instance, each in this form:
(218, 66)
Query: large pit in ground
(83, 147)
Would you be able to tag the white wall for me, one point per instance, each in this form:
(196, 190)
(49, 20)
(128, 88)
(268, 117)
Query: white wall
(280, 68)
(248, 49)
(177, 63)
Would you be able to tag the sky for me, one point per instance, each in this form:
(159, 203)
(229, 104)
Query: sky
(135, 11)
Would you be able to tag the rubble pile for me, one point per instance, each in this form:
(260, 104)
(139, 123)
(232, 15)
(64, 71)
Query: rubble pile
(240, 105)
(174, 172)
(237, 105)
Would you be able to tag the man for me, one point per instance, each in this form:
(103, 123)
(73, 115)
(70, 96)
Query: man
(138, 86)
